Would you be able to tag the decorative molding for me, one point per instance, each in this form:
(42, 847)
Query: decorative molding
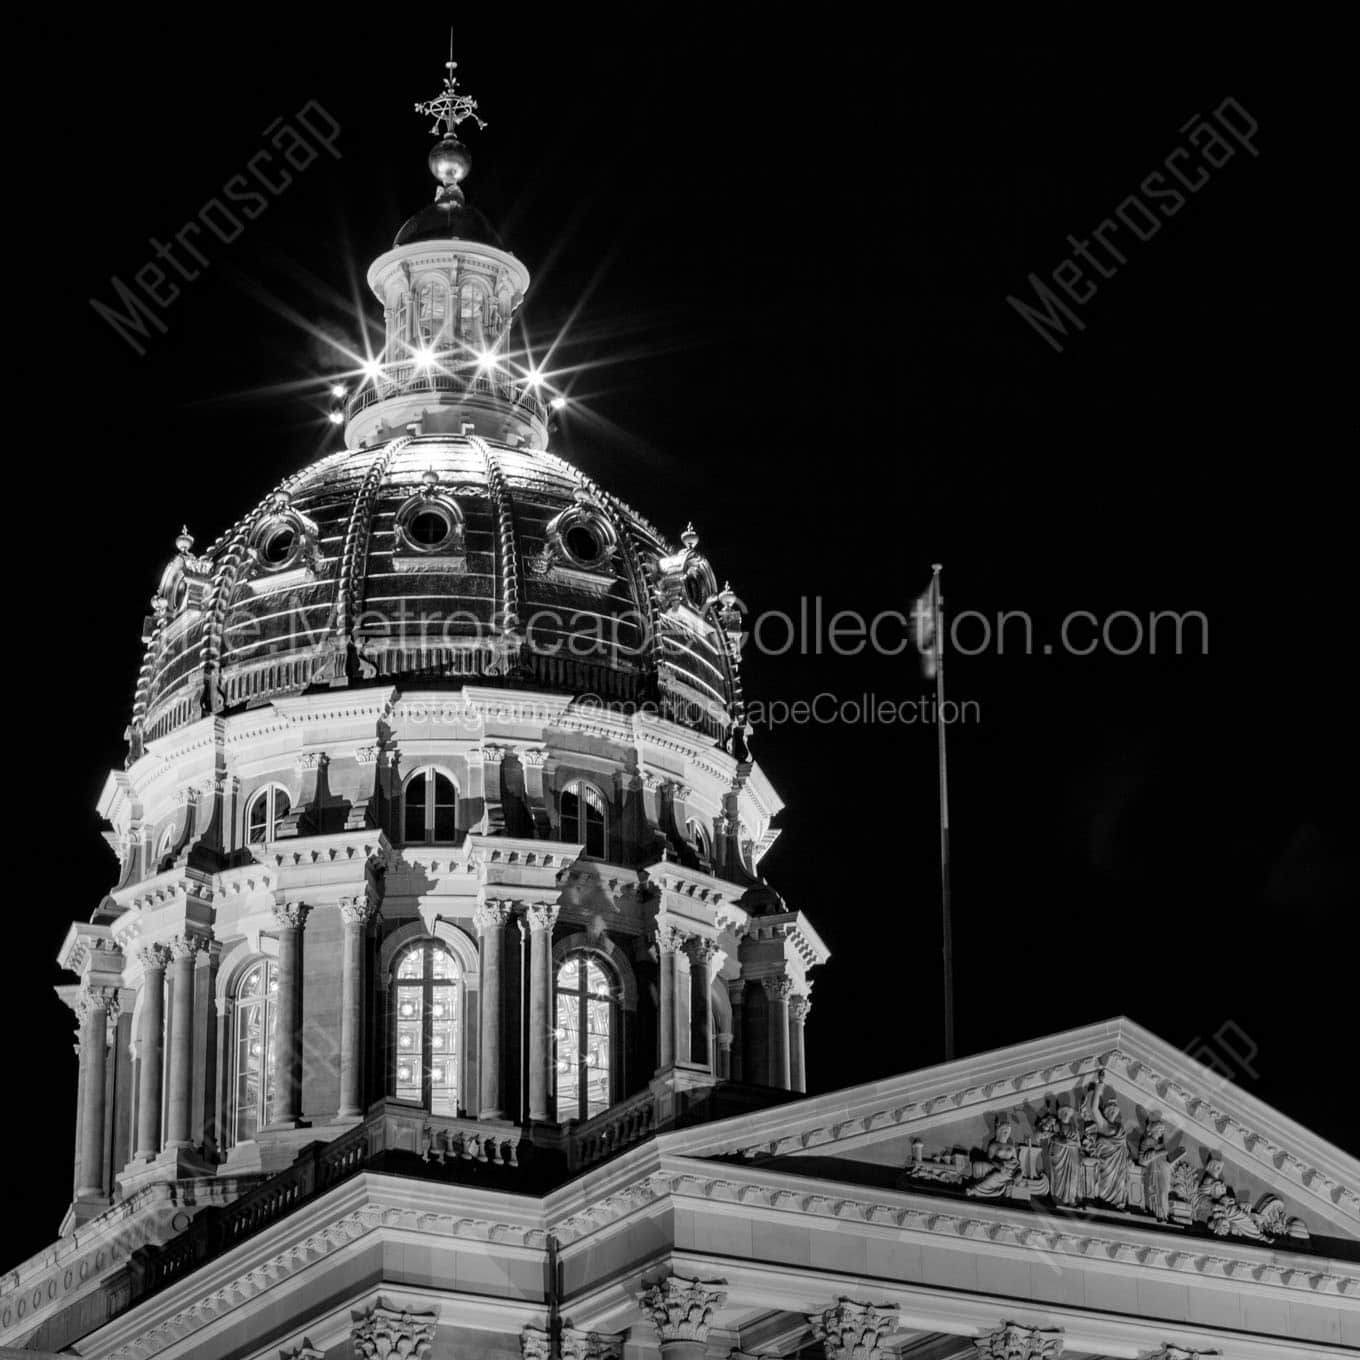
(681, 1309)
(1011, 1341)
(384, 1332)
(852, 1331)
(1051, 1239)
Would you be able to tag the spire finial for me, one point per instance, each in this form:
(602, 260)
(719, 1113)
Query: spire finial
(449, 108)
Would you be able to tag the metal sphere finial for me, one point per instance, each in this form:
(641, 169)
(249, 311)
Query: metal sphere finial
(184, 540)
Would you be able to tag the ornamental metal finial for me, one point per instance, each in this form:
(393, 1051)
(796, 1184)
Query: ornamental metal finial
(449, 108)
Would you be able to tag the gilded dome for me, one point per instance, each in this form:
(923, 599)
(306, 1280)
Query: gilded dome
(446, 559)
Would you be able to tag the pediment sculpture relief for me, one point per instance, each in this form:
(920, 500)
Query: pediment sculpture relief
(1086, 1157)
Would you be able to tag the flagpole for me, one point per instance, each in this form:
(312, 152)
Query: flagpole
(947, 926)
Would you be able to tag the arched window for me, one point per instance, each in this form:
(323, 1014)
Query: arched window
(586, 1001)
(697, 835)
(583, 816)
(429, 809)
(253, 1051)
(472, 301)
(431, 307)
(264, 816)
(165, 848)
(428, 997)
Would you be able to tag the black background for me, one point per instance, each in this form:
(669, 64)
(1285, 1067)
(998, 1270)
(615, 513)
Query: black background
(790, 249)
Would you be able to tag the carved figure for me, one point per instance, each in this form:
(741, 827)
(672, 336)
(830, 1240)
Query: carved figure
(1060, 1133)
(1156, 1170)
(1110, 1147)
(1001, 1169)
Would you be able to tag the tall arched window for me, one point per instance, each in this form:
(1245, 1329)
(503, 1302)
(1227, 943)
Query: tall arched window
(429, 809)
(428, 997)
(583, 816)
(265, 815)
(253, 1050)
(165, 848)
(470, 307)
(586, 1002)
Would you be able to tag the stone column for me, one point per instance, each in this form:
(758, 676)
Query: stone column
(798, 1010)
(681, 1311)
(777, 991)
(669, 945)
(179, 1109)
(151, 1050)
(356, 913)
(291, 917)
(94, 1007)
(853, 1331)
(1011, 1341)
(702, 955)
(541, 917)
(736, 994)
(490, 919)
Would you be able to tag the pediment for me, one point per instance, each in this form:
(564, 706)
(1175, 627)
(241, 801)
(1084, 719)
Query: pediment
(1167, 1144)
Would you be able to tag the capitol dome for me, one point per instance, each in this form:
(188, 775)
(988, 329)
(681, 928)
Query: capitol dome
(444, 558)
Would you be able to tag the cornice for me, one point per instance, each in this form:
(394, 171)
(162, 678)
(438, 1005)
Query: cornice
(656, 1176)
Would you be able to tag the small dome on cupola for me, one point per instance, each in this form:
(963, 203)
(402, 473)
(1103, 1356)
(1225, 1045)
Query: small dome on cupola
(449, 217)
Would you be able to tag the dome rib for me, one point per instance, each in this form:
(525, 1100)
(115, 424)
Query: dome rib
(349, 598)
(507, 559)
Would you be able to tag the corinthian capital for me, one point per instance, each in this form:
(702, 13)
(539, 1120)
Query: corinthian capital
(703, 951)
(187, 946)
(384, 1331)
(777, 988)
(92, 999)
(535, 1344)
(680, 1309)
(799, 1006)
(578, 1345)
(852, 1331)
(669, 940)
(358, 911)
(1170, 1351)
(291, 915)
(490, 915)
(1011, 1341)
(541, 915)
(153, 958)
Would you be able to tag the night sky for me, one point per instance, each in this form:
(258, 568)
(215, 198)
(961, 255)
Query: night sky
(791, 256)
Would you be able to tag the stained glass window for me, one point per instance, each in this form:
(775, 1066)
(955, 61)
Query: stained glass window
(254, 1049)
(426, 1020)
(584, 1036)
(265, 815)
(583, 816)
(430, 815)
